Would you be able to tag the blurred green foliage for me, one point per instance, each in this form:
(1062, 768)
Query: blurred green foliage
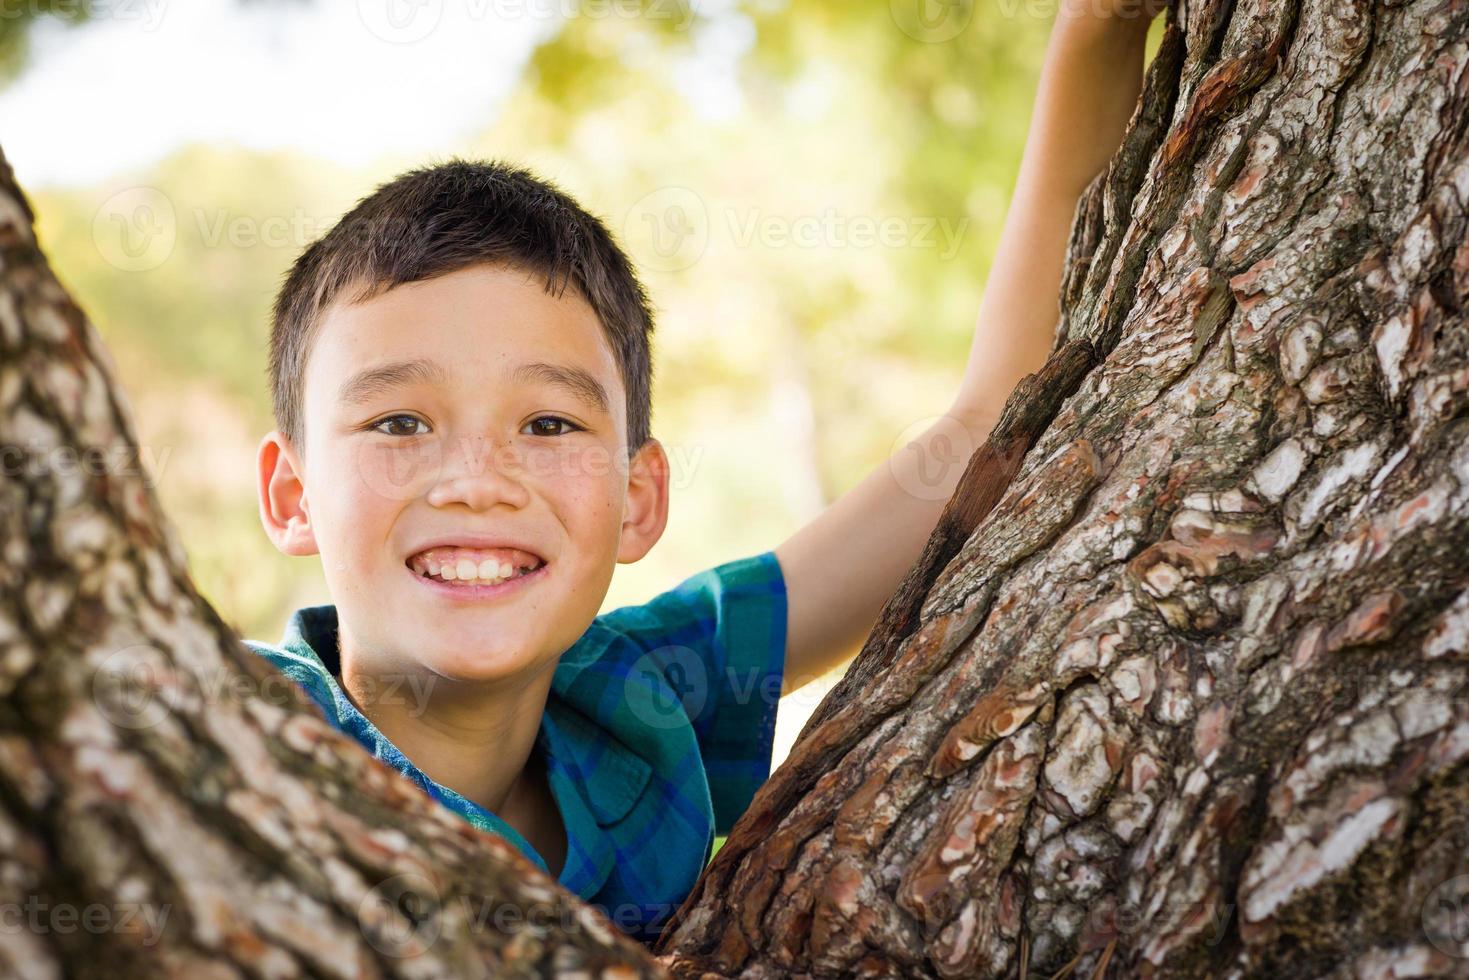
(833, 186)
(18, 21)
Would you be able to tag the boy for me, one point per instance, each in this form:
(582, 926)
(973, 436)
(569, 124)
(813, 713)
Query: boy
(466, 444)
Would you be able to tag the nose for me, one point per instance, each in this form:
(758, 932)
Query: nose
(480, 474)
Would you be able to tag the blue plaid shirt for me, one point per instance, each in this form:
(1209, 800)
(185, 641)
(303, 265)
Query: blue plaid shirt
(657, 732)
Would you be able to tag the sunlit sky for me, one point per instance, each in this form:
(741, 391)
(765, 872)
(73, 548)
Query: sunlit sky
(342, 79)
(345, 80)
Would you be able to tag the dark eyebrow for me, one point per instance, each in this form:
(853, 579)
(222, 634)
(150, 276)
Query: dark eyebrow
(385, 377)
(575, 381)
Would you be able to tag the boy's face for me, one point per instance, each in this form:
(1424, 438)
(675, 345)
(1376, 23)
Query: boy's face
(468, 452)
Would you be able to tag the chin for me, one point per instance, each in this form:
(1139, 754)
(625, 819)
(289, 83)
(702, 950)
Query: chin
(493, 664)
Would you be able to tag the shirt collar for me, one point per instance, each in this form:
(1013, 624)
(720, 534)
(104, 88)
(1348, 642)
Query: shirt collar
(594, 776)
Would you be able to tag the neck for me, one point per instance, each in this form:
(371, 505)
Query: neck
(473, 737)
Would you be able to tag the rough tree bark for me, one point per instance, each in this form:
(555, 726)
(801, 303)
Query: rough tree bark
(1186, 697)
(1178, 687)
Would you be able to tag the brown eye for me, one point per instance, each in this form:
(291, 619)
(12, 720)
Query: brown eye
(390, 420)
(539, 426)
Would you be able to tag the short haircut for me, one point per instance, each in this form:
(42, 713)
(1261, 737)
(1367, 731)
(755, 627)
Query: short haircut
(438, 219)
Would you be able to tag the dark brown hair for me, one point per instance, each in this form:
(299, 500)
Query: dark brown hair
(439, 219)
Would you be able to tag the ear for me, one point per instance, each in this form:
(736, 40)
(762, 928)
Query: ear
(646, 513)
(284, 510)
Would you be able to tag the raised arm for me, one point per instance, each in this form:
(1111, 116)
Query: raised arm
(842, 566)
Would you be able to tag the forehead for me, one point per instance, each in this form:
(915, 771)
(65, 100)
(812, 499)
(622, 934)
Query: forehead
(481, 323)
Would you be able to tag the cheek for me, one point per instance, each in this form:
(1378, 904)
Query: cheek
(588, 490)
(386, 471)
(352, 502)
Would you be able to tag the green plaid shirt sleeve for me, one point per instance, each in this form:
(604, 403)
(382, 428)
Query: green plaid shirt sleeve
(719, 638)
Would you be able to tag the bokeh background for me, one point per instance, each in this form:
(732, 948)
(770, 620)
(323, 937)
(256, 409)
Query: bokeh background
(812, 192)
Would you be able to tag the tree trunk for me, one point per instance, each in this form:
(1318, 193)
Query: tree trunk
(1185, 696)
(1176, 689)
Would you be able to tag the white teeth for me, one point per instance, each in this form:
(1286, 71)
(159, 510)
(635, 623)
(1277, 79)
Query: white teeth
(489, 571)
(490, 568)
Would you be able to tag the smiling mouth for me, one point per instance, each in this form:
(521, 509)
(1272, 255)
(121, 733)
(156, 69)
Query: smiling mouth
(462, 590)
(468, 567)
